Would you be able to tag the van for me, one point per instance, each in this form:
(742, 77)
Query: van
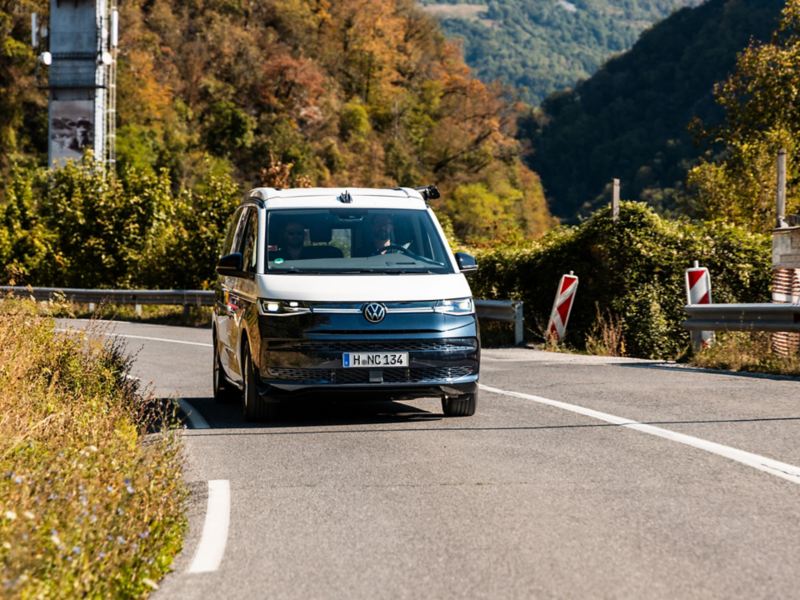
(353, 291)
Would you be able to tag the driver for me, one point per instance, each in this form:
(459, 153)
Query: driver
(382, 232)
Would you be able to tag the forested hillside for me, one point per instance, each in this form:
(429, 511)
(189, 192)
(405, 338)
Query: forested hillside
(543, 46)
(630, 119)
(294, 92)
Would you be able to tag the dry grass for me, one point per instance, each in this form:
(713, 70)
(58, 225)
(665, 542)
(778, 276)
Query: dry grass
(741, 351)
(605, 338)
(90, 480)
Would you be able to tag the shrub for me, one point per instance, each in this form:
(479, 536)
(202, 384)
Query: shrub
(90, 503)
(78, 227)
(631, 271)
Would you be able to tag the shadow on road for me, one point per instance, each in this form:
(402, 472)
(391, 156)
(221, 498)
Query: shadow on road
(330, 412)
(676, 368)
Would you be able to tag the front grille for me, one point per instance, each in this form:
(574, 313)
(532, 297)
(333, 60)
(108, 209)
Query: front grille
(361, 376)
(322, 347)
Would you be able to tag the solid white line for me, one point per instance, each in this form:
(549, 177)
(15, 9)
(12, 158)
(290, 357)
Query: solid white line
(157, 339)
(211, 548)
(196, 420)
(137, 337)
(756, 461)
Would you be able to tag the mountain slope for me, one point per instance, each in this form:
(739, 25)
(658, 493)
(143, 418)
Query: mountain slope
(543, 46)
(630, 119)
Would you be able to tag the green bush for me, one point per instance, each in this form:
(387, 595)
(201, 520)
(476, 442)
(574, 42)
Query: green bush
(78, 227)
(632, 271)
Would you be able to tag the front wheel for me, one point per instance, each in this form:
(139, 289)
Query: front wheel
(460, 406)
(255, 407)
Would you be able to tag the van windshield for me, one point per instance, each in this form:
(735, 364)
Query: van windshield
(349, 240)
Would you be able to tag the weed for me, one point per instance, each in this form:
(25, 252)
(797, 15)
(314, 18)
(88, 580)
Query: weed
(744, 351)
(87, 508)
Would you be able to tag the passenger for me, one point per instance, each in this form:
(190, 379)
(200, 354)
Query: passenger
(293, 240)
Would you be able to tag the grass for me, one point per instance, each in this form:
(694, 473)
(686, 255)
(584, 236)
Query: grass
(91, 492)
(743, 351)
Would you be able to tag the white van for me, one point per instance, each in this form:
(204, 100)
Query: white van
(348, 290)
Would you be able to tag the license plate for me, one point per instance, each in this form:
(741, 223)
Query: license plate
(356, 360)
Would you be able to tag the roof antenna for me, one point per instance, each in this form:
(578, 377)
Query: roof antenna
(345, 197)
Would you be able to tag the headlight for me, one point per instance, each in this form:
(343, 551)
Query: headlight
(457, 306)
(282, 308)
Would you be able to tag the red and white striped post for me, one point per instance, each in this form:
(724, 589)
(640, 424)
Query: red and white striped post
(698, 291)
(562, 307)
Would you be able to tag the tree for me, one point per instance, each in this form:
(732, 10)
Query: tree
(761, 100)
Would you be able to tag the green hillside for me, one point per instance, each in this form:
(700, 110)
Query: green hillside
(630, 119)
(543, 46)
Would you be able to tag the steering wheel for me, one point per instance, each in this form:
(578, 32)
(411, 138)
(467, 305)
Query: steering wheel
(392, 248)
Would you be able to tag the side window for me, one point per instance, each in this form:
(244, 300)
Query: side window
(227, 245)
(238, 238)
(249, 242)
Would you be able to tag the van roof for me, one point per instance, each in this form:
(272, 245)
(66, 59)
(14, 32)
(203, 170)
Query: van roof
(339, 196)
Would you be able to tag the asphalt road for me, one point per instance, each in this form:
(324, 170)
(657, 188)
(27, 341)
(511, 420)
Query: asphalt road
(522, 500)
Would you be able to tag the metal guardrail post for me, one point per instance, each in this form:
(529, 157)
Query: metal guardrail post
(519, 329)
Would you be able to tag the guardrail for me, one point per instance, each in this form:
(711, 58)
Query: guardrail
(494, 310)
(743, 317)
(509, 311)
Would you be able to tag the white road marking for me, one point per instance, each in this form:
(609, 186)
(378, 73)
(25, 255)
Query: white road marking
(139, 337)
(196, 420)
(756, 461)
(157, 339)
(211, 548)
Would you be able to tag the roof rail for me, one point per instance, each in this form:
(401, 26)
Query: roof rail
(263, 193)
(428, 192)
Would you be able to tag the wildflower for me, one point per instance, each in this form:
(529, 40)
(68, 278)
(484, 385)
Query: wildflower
(121, 540)
(6, 545)
(76, 549)
(55, 539)
(145, 534)
(150, 583)
(29, 515)
(11, 515)
(129, 488)
(110, 489)
(92, 448)
(19, 479)
(101, 555)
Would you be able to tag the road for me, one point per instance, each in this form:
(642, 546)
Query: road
(525, 499)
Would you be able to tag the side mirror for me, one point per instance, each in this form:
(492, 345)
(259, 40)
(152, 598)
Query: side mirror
(466, 262)
(230, 264)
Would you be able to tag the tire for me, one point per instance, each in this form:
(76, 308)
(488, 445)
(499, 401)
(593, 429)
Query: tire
(255, 407)
(460, 406)
(223, 390)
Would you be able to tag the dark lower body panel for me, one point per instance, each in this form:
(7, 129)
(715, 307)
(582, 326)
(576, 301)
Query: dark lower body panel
(437, 366)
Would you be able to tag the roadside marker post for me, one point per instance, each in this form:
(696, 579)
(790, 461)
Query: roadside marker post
(562, 307)
(698, 291)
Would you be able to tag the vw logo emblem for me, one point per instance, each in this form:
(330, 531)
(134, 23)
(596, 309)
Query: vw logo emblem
(374, 312)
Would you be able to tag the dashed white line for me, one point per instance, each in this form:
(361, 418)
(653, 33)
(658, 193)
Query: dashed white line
(196, 420)
(756, 461)
(214, 537)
